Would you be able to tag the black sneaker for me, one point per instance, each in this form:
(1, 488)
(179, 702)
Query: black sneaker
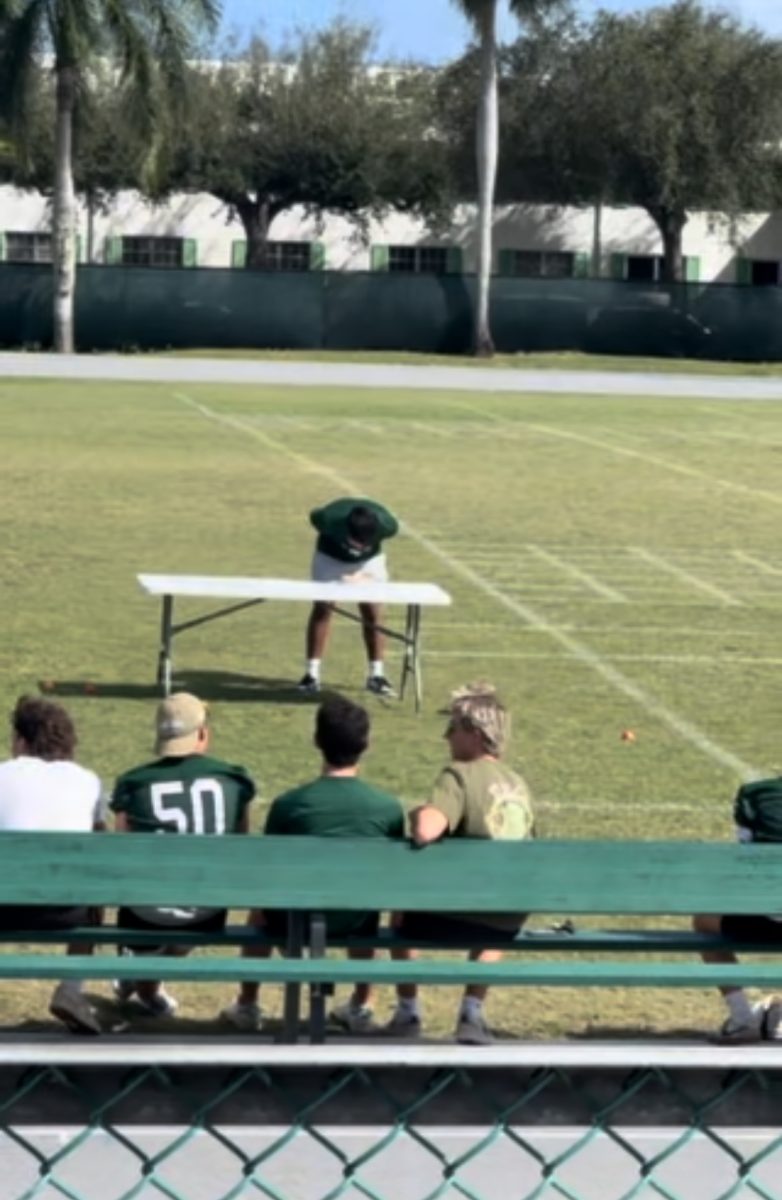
(379, 686)
(309, 684)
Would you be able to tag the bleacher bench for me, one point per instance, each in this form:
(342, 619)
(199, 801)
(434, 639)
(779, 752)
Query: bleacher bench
(307, 877)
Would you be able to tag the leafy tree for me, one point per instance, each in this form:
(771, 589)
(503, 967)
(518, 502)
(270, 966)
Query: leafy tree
(483, 16)
(318, 127)
(675, 109)
(147, 41)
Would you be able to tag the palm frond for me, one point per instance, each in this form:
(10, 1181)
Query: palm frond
(23, 30)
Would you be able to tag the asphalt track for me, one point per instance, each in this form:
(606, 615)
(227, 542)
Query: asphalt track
(148, 368)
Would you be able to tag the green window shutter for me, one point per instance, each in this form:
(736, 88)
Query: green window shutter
(743, 269)
(581, 265)
(79, 247)
(190, 252)
(2, 247)
(692, 269)
(619, 266)
(238, 254)
(112, 251)
(505, 262)
(378, 258)
(453, 260)
(317, 256)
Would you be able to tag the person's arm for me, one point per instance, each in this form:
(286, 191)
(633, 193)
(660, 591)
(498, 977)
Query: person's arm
(427, 824)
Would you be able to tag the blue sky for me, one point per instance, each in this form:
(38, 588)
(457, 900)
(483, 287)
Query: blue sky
(430, 30)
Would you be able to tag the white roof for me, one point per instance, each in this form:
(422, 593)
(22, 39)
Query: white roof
(226, 587)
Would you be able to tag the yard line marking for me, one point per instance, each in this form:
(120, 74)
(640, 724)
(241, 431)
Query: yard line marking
(662, 564)
(571, 569)
(703, 660)
(613, 448)
(655, 708)
(612, 630)
(765, 567)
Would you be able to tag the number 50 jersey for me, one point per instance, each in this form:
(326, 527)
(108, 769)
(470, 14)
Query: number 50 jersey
(191, 794)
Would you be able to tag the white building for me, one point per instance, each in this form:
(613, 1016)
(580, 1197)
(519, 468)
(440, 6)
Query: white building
(195, 230)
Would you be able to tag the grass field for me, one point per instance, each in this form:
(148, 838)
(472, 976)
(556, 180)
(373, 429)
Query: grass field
(614, 564)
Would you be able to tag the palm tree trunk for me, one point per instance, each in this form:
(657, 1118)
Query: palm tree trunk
(487, 150)
(64, 225)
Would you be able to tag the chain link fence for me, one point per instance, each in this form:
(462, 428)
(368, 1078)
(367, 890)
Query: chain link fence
(225, 1120)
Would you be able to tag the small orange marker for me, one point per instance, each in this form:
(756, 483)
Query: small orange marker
(628, 735)
(48, 685)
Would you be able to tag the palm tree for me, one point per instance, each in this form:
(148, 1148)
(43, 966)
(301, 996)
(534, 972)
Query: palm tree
(483, 16)
(148, 40)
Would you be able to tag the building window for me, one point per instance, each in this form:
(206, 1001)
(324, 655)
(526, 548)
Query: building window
(418, 260)
(28, 247)
(152, 252)
(765, 272)
(286, 256)
(539, 264)
(644, 268)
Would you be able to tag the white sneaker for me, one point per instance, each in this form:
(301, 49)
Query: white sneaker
(354, 1020)
(765, 1024)
(403, 1025)
(162, 1004)
(472, 1031)
(245, 1017)
(74, 1010)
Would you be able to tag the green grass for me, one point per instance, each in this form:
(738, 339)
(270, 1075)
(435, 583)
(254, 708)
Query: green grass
(614, 563)
(560, 361)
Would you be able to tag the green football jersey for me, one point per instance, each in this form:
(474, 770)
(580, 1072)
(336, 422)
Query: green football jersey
(758, 808)
(331, 522)
(191, 794)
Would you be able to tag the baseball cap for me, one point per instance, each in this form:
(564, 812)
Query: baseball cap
(177, 721)
(477, 706)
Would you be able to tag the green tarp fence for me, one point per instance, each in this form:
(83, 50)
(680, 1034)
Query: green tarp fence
(126, 308)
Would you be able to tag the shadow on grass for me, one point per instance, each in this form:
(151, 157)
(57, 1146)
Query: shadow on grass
(625, 1033)
(209, 685)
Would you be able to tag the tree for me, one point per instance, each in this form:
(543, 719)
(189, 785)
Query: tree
(675, 109)
(483, 15)
(147, 41)
(317, 127)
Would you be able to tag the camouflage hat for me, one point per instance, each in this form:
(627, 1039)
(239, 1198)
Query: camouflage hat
(477, 706)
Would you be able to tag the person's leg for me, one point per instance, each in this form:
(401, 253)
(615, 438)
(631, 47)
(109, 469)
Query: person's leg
(375, 643)
(406, 1019)
(746, 1022)
(317, 636)
(245, 1011)
(356, 1014)
(68, 1003)
(471, 1027)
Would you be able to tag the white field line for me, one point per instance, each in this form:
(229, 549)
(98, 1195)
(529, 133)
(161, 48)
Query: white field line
(646, 700)
(612, 448)
(707, 660)
(568, 568)
(663, 564)
(608, 630)
(750, 559)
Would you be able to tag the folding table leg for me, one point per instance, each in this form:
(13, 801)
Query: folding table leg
(164, 657)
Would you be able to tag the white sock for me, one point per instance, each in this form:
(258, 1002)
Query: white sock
(739, 1007)
(313, 667)
(471, 1009)
(376, 670)
(407, 1006)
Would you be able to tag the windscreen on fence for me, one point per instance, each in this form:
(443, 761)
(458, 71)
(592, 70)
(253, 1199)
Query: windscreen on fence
(127, 308)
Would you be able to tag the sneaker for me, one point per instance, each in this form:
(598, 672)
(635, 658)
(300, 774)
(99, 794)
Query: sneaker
(379, 686)
(309, 685)
(472, 1031)
(123, 989)
(245, 1017)
(763, 1025)
(403, 1025)
(161, 1004)
(352, 1019)
(74, 1010)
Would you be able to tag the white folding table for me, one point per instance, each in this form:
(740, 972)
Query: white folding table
(248, 592)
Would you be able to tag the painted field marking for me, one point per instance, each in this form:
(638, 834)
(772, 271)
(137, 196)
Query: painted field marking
(662, 564)
(568, 568)
(612, 630)
(704, 660)
(764, 567)
(679, 725)
(613, 448)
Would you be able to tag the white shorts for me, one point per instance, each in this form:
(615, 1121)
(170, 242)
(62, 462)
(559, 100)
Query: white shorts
(326, 569)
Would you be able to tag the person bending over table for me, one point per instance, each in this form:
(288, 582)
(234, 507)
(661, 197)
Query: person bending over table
(351, 532)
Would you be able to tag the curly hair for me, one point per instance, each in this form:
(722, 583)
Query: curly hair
(46, 729)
